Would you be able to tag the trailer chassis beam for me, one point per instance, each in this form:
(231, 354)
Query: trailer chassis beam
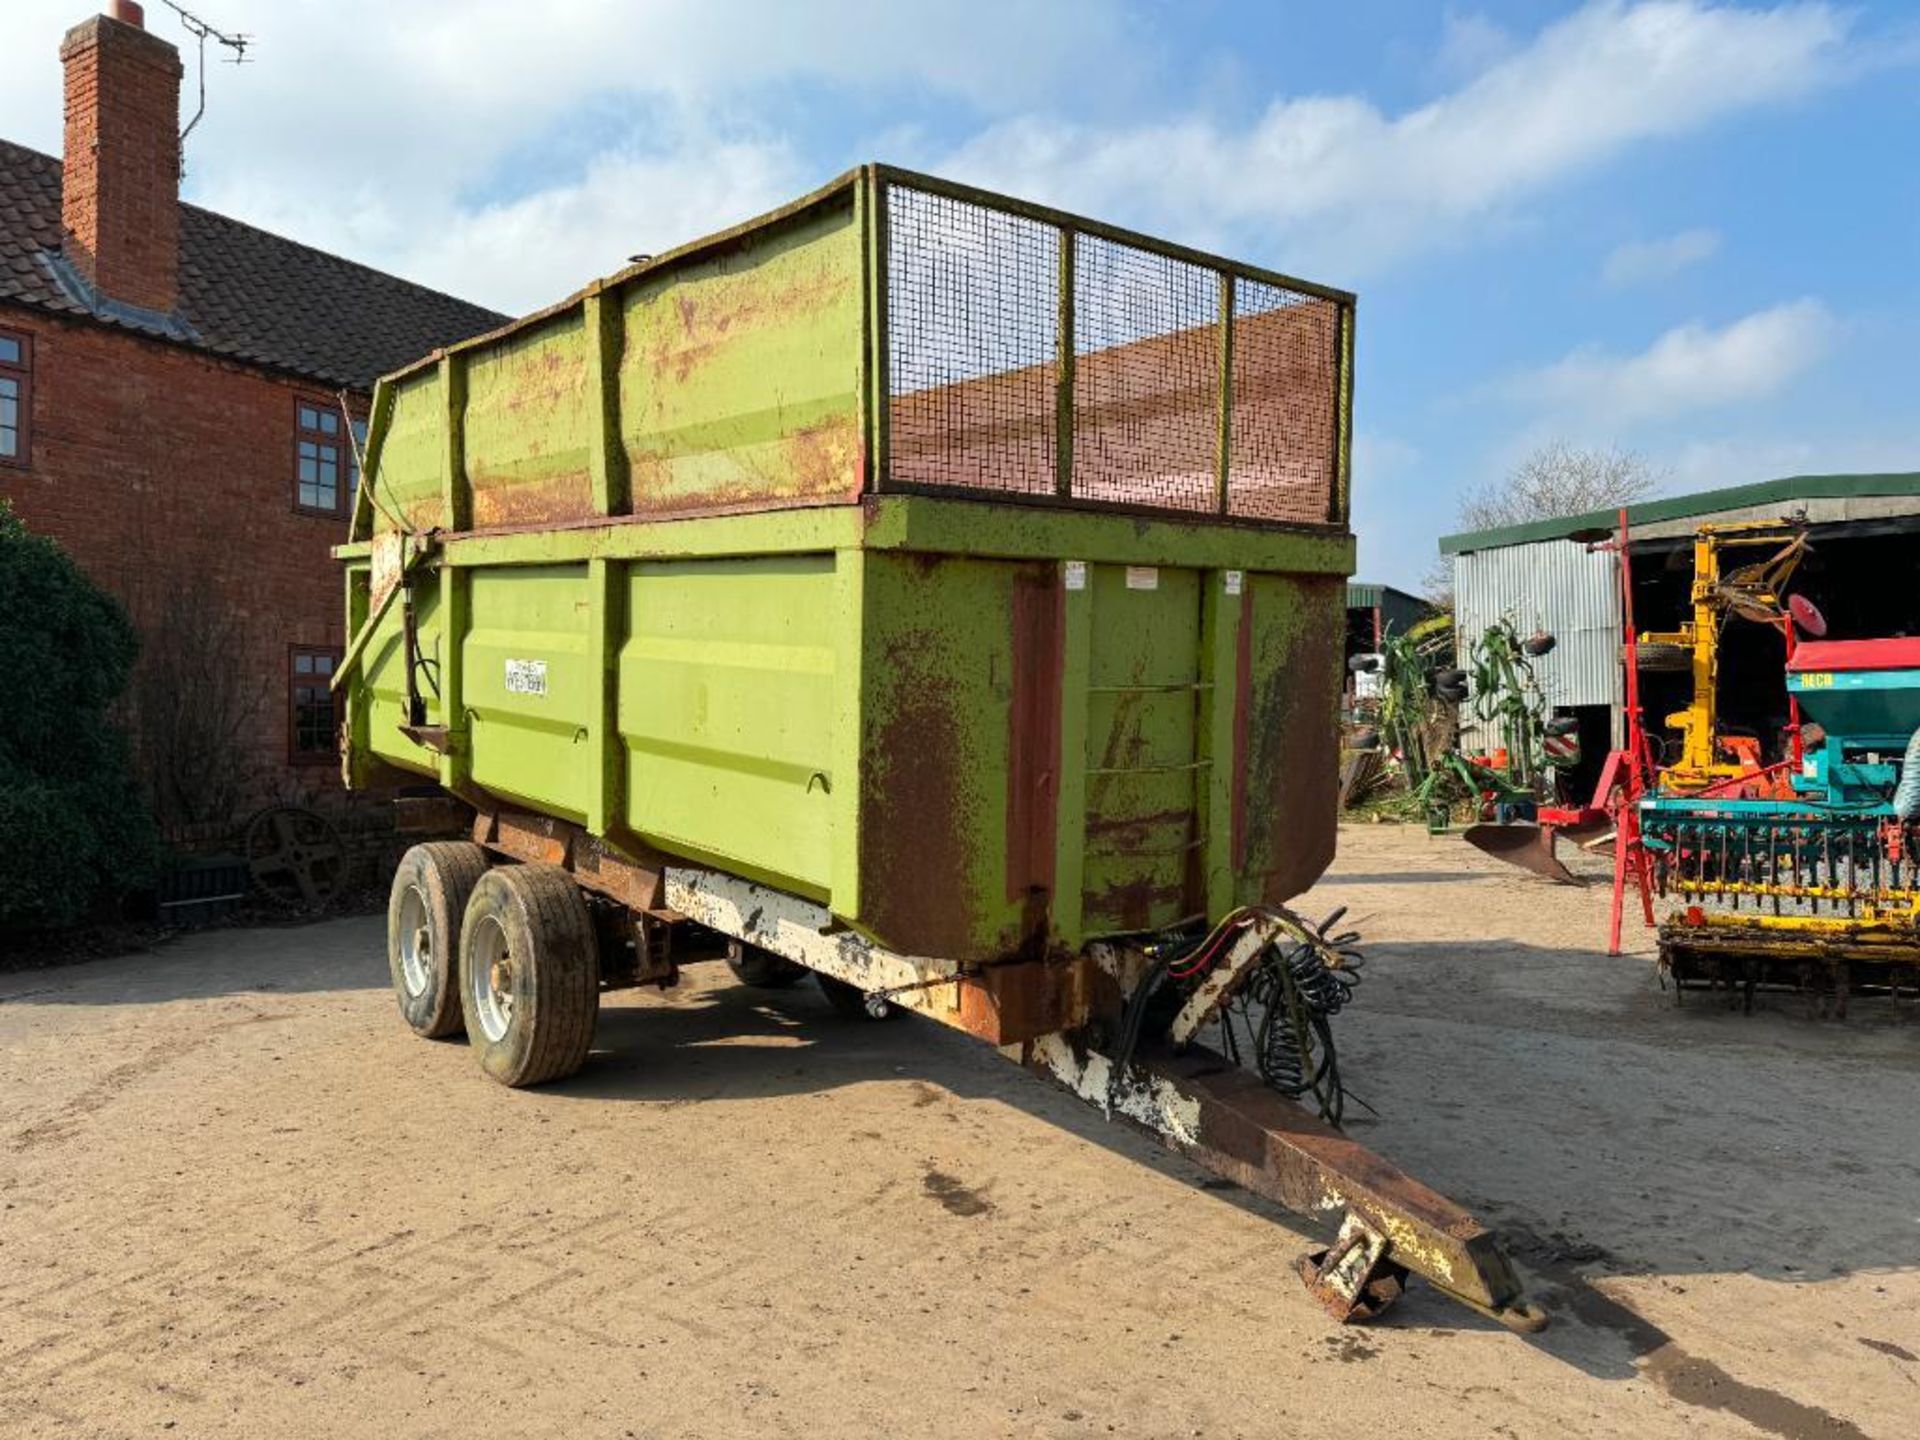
(1201, 1105)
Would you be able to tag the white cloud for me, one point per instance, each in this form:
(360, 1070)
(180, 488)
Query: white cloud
(1366, 186)
(526, 251)
(1690, 368)
(511, 151)
(1711, 463)
(1644, 262)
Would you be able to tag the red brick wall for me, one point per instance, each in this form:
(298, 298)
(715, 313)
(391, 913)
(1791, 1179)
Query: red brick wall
(120, 198)
(166, 472)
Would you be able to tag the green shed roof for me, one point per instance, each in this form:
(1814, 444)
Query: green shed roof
(1363, 596)
(1681, 507)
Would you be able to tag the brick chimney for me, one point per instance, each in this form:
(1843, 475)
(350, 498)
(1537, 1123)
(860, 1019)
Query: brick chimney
(120, 198)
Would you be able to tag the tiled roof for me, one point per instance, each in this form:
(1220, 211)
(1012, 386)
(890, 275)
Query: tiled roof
(244, 293)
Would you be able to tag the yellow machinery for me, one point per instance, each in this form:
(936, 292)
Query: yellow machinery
(1754, 592)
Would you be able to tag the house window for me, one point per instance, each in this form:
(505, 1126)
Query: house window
(16, 397)
(313, 711)
(319, 459)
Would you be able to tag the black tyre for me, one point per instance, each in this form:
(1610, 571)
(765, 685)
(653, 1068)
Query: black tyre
(853, 1002)
(529, 974)
(1664, 659)
(761, 968)
(431, 887)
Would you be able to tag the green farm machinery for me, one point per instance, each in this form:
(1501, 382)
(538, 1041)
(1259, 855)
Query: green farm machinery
(933, 592)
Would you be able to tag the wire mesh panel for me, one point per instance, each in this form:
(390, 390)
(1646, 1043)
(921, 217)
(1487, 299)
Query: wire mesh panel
(1146, 378)
(1284, 426)
(973, 301)
(979, 344)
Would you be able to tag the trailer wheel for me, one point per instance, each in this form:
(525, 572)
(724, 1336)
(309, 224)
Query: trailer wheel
(431, 887)
(853, 1002)
(529, 974)
(761, 968)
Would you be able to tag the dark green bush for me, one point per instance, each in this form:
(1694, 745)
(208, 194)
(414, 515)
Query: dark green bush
(73, 829)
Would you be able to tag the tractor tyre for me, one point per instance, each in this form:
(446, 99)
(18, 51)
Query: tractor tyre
(1664, 659)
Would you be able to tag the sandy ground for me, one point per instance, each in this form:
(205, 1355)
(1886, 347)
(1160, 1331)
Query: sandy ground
(240, 1200)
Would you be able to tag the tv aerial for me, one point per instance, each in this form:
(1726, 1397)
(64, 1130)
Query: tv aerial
(202, 32)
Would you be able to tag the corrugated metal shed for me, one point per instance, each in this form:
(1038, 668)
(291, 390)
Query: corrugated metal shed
(1822, 499)
(1556, 585)
(1540, 574)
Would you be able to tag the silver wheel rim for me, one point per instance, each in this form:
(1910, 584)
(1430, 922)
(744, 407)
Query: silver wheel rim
(416, 944)
(490, 967)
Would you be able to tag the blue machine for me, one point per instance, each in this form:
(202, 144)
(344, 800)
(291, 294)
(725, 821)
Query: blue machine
(1814, 884)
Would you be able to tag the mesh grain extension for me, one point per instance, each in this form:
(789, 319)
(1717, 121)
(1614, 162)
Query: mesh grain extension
(1146, 378)
(980, 341)
(973, 299)
(1285, 425)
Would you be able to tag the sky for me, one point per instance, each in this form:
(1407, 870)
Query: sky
(1681, 228)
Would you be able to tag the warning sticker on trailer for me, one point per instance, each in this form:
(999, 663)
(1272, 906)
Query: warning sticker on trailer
(1143, 577)
(1076, 572)
(526, 677)
(1233, 582)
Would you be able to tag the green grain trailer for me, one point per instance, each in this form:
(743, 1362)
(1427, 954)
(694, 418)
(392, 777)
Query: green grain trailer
(936, 592)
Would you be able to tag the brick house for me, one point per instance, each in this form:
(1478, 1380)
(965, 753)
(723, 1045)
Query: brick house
(175, 396)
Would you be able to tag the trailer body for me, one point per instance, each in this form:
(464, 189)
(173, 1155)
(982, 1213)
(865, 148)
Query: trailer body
(718, 582)
(933, 591)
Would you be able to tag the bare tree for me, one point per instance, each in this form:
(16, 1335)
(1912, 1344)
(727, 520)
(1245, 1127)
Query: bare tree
(1556, 479)
(198, 700)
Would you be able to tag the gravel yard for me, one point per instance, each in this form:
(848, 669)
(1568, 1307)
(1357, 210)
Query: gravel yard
(237, 1198)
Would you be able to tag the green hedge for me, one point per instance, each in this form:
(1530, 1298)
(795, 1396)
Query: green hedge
(74, 832)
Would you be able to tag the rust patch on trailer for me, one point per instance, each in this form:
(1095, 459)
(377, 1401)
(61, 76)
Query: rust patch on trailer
(824, 458)
(1133, 834)
(915, 859)
(554, 499)
(543, 377)
(1126, 746)
(807, 465)
(1033, 741)
(543, 840)
(1013, 1003)
(1135, 904)
(1294, 761)
(722, 304)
